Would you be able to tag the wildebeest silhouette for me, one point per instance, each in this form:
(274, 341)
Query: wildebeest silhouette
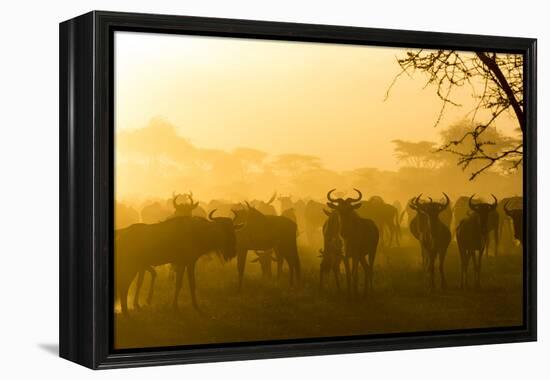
(471, 235)
(506, 224)
(180, 241)
(265, 258)
(267, 232)
(462, 210)
(184, 208)
(314, 217)
(434, 236)
(332, 252)
(516, 214)
(360, 238)
(384, 215)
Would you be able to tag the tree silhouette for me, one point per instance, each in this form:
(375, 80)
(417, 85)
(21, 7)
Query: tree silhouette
(296, 163)
(417, 154)
(501, 79)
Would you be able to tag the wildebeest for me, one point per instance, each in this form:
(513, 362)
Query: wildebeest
(180, 241)
(314, 217)
(506, 225)
(360, 236)
(184, 208)
(265, 258)
(384, 215)
(462, 211)
(267, 232)
(332, 252)
(471, 235)
(446, 215)
(265, 208)
(434, 236)
(516, 214)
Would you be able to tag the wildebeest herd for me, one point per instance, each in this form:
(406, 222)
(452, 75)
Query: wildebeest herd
(353, 231)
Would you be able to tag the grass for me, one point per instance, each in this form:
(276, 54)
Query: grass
(268, 309)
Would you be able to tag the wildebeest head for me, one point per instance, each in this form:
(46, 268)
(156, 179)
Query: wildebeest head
(512, 213)
(431, 209)
(517, 219)
(227, 228)
(265, 258)
(185, 208)
(346, 206)
(483, 210)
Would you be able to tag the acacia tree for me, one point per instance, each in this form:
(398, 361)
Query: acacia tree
(501, 79)
(417, 154)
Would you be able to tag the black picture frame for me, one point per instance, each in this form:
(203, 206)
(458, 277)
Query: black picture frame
(86, 188)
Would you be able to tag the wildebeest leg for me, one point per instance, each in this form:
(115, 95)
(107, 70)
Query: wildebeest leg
(321, 275)
(442, 270)
(336, 271)
(179, 276)
(467, 256)
(354, 276)
(423, 254)
(372, 256)
(348, 275)
(153, 273)
(366, 270)
(139, 283)
(280, 262)
(496, 240)
(474, 263)
(191, 278)
(431, 271)
(241, 261)
(290, 271)
(123, 284)
(478, 282)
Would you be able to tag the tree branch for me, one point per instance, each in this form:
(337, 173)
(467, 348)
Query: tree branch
(495, 69)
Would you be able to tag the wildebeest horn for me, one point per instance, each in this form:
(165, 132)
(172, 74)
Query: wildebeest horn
(496, 202)
(189, 196)
(248, 205)
(272, 198)
(415, 201)
(470, 204)
(211, 215)
(329, 196)
(349, 199)
(174, 197)
(447, 201)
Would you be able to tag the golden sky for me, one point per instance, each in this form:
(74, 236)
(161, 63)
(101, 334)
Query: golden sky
(324, 100)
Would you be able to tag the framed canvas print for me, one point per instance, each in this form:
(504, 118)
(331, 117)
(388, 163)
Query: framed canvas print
(236, 189)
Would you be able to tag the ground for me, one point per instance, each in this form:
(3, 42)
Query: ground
(268, 309)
